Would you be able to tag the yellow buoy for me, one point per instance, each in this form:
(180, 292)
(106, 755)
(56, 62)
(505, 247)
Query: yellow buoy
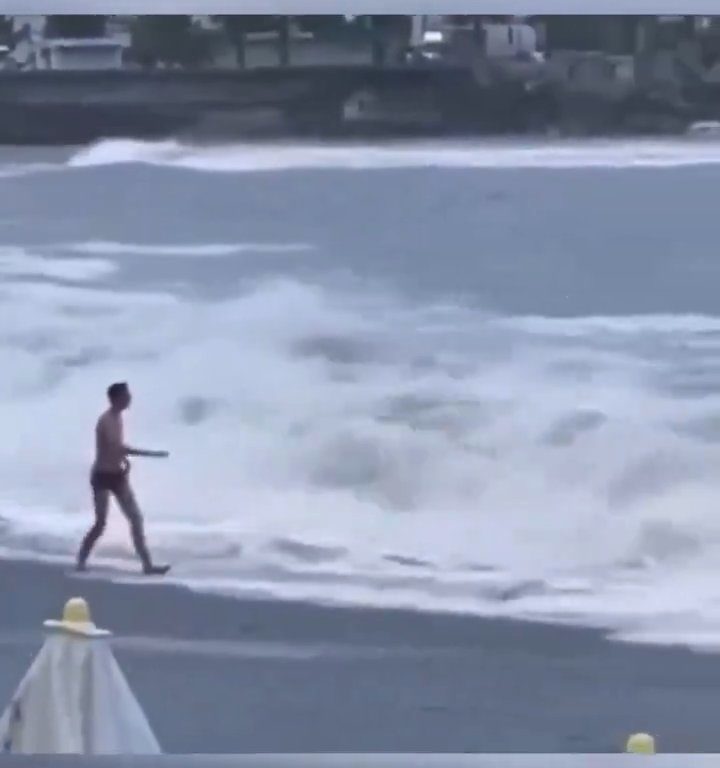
(641, 744)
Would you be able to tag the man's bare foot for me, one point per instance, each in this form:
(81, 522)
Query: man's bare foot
(81, 567)
(156, 570)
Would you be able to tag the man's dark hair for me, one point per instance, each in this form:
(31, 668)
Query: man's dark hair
(116, 390)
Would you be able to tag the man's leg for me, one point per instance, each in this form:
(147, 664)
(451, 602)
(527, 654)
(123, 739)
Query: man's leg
(101, 501)
(129, 507)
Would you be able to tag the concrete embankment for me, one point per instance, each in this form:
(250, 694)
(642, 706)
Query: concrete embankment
(75, 107)
(58, 108)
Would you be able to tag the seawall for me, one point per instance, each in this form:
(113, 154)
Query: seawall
(74, 107)
(59, 108)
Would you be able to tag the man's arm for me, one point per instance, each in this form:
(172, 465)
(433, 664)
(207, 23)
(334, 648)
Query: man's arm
(141, 452)
(114, 435)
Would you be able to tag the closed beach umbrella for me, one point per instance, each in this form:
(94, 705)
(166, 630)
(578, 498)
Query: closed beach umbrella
(74, 698)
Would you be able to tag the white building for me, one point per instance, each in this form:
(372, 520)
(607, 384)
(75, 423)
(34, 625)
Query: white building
(79, 54)
(33, 50)
(438, 36)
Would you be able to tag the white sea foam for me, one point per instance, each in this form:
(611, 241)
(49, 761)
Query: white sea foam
(257, 157)
(349, 448)
(14, 170)
(105, 248)
(331, 448)
(254, 157)
(18, 262)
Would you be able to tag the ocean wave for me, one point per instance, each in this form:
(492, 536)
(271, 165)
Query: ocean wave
(19, 262)
(343, 471)
(105, 248)
(542, 154)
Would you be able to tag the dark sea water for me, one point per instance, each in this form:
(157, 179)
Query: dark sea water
(475, 378)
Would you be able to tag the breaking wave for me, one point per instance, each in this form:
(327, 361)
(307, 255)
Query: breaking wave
(254, 157)
(343, 448)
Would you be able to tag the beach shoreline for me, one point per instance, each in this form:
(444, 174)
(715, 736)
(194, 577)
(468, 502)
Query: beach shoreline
(223, 675)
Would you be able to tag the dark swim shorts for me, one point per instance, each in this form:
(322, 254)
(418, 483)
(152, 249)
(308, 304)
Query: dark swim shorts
(108, 481)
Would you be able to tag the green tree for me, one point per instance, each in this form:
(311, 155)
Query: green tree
(386, 30)
(6, 31)
(325, 26)
(82, 26)
(169, 40)
(284, 23)
(238, 26)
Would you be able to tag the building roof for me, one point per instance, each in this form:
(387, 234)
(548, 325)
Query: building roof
(84, 42)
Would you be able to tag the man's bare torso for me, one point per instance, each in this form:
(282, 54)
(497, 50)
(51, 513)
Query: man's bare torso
(109, 446)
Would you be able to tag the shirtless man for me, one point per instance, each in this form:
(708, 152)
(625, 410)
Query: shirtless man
(109, 476)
